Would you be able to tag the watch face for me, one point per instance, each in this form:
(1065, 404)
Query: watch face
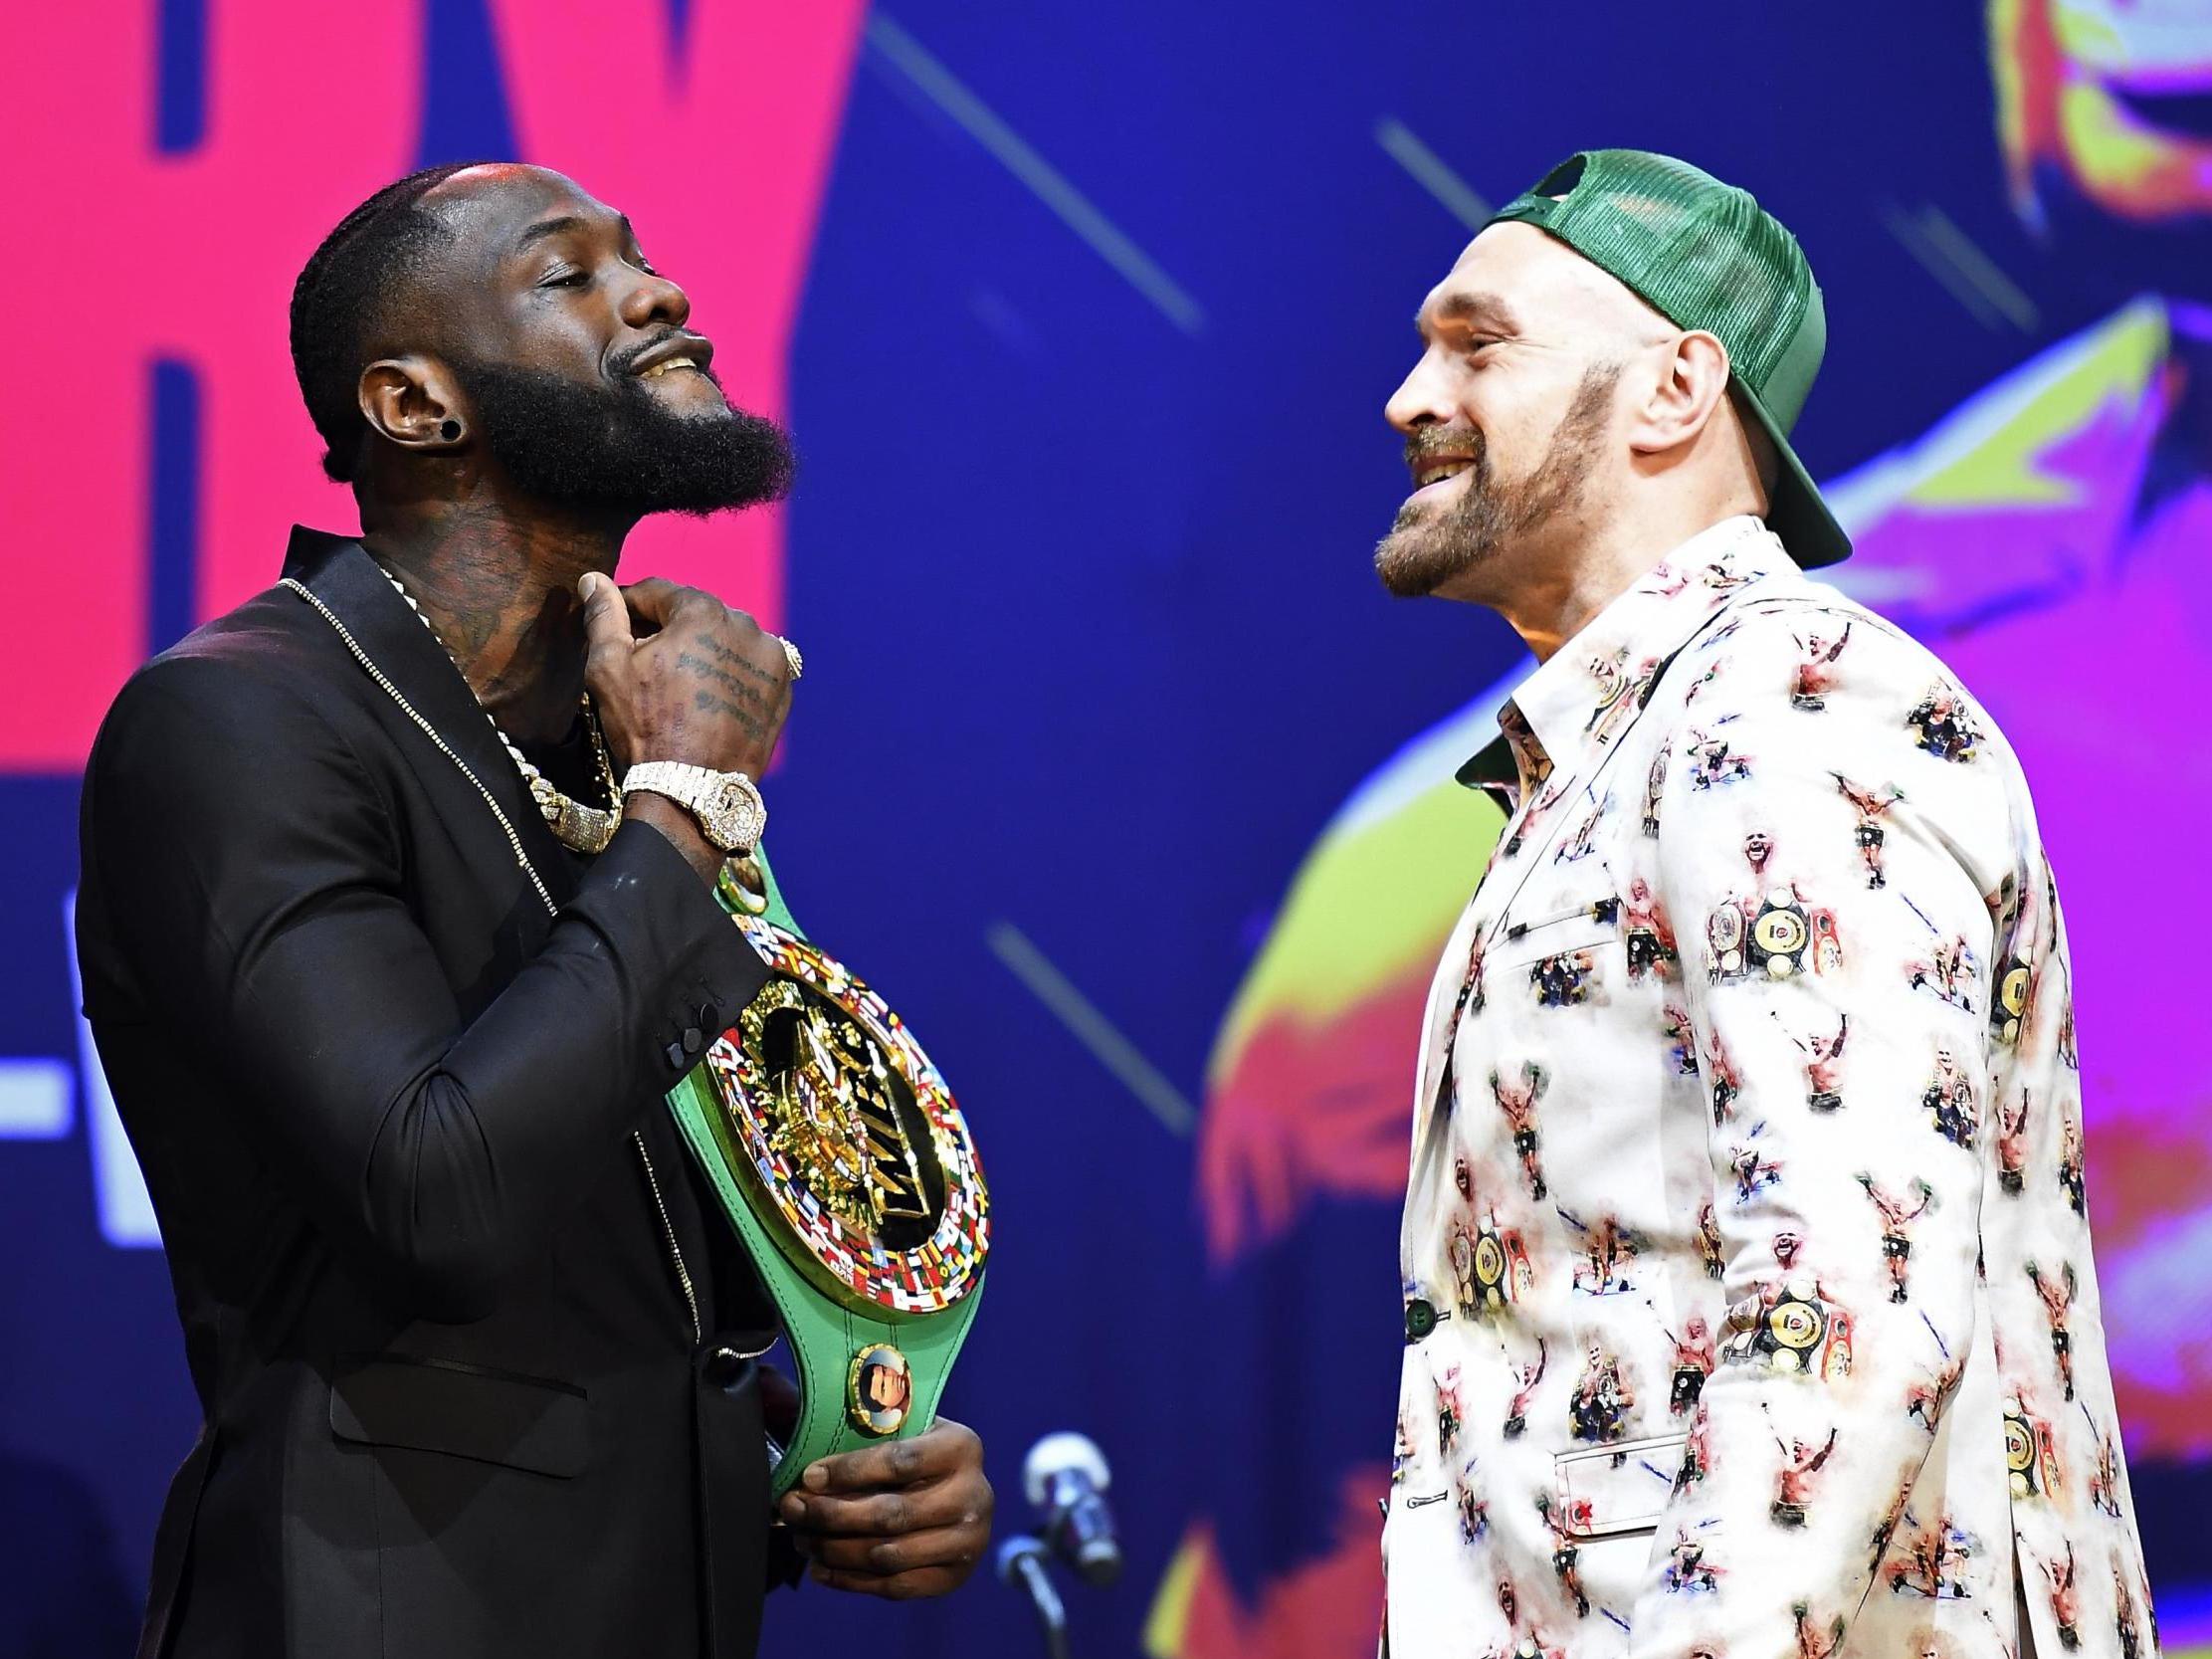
(732, 815)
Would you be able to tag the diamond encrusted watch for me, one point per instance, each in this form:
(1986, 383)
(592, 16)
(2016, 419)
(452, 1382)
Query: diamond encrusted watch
(728, 807)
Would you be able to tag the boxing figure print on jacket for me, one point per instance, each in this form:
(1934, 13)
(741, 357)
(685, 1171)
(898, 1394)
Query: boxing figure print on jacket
(1770, 1080)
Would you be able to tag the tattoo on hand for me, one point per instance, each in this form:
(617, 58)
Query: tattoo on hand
(706, 702)
(729, 682)
(733, 659)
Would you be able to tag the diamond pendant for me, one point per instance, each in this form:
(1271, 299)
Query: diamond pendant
(586, 829)
(580, 828)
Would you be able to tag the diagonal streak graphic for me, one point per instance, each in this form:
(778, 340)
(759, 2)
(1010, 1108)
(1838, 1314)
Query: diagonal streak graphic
(1945, 236)
(1956, 260)
(1091, 1028)
(1045, 181)
(1430, 171)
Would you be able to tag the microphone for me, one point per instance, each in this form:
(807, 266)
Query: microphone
(1021, 1563)
(1066, 1478)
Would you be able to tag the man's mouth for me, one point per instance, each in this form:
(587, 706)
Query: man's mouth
(674, 351)
(1437, 469)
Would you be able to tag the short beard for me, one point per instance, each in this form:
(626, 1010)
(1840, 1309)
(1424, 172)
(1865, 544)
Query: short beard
(616, 450)
(1424, 552)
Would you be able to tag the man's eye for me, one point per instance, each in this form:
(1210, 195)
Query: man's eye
(565, 279)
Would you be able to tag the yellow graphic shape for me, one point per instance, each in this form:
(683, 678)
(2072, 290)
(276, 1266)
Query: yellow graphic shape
(1364, 905)
(2001, 463)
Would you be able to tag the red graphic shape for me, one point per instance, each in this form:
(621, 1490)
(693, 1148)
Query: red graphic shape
(719, 155)
(1322, 1608)
(141, 256)
(1311, 1111)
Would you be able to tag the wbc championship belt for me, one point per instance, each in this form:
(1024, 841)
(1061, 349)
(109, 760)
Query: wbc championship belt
(839, 1155)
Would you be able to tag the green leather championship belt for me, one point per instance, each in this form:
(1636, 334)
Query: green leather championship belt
(840, 1158)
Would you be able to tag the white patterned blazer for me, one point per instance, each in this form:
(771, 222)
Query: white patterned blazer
(1749, 1307)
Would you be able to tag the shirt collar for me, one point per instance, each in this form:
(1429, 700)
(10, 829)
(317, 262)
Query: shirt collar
(1590, 689)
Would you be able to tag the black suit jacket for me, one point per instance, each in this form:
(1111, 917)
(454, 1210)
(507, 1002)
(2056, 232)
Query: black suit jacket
(454, 1403)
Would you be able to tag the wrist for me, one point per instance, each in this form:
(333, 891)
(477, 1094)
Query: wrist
(678, 828)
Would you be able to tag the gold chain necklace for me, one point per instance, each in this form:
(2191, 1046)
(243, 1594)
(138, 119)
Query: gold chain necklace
(581, 828)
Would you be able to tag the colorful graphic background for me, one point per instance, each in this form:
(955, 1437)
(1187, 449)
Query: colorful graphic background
(1083, 318)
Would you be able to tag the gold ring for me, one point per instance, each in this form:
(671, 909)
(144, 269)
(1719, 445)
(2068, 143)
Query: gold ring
(792, 657)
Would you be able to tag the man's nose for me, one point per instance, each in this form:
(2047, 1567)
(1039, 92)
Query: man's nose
(1420, 399)
(654, 300)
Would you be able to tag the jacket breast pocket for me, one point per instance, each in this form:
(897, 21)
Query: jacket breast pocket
(1554, 951)
(1537, 921)
(537, 1424)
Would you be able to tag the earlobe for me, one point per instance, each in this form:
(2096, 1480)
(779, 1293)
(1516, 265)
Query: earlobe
(403, 401)
(1659, 409)
(1689, 384)
(1696, 384)
(1706, 364)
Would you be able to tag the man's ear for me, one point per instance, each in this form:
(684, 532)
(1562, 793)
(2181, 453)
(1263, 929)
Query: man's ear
(414, 403)
(1689, 383)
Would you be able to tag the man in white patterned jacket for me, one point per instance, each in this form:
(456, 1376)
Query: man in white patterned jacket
(1749, 1305)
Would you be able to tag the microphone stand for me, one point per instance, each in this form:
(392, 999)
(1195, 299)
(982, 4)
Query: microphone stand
(1021, 1560)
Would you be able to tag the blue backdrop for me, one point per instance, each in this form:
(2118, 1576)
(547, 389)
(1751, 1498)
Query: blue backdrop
(1102, 307)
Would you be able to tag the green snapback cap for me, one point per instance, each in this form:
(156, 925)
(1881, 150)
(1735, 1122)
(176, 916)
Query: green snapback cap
(1706, 256)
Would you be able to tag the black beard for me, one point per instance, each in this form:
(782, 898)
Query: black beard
(616, 450)
(1421, 555)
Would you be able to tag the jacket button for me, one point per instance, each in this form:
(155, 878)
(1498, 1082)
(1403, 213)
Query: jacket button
(676, 1055)
(693, 1041)
(1420, 1319)
(707, 1020)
